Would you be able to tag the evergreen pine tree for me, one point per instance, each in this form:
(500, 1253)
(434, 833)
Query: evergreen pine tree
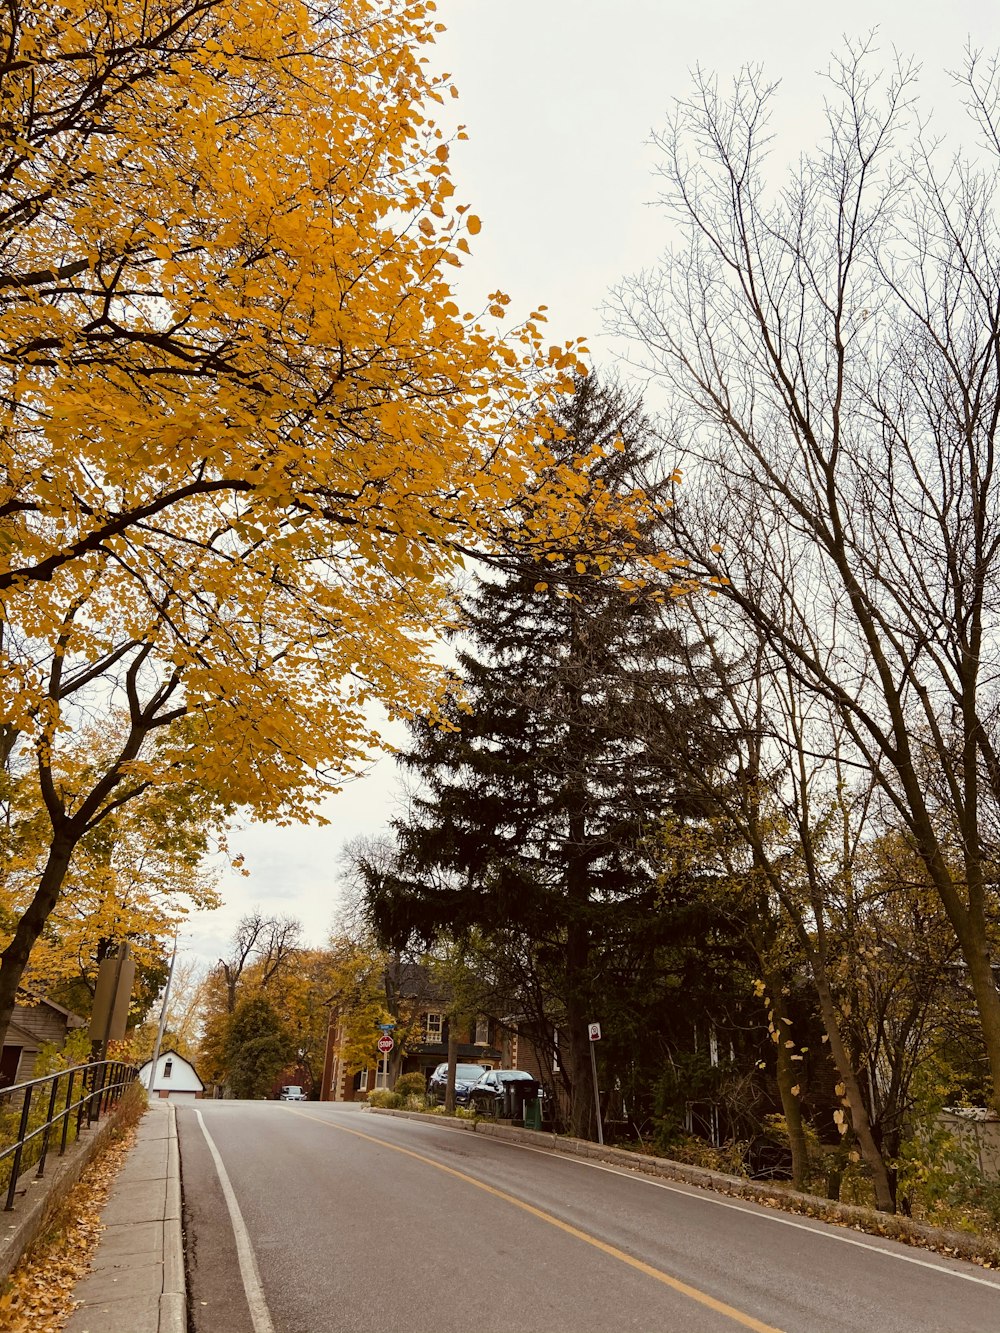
(537, 813)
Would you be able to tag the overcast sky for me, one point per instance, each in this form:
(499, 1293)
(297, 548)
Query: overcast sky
(560, 98)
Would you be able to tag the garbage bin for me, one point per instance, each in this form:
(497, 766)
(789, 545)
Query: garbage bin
(533, 1113)
(516, 1095)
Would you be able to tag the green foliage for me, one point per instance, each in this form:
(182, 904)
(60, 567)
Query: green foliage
(75, 1050)
(689, 1076)
(50, 1060)
(385, 1099)
(937, 1169)
(532, 826)
(938, 1166)
(257, 1046)
(412, 1084)
(689, 1148)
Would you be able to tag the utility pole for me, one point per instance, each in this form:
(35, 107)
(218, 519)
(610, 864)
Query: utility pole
(163, 1020)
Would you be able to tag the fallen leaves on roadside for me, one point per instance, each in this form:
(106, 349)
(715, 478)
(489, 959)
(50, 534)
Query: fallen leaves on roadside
(39, 1296)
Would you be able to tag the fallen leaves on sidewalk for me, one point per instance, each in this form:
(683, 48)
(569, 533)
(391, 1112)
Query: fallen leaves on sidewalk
(39, 1296)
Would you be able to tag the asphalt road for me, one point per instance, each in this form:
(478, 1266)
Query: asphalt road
(348, 1222)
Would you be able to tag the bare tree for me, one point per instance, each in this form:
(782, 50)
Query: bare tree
(267, 942)
(833, 350)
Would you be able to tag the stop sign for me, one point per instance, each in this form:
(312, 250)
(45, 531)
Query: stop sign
(385, 1043)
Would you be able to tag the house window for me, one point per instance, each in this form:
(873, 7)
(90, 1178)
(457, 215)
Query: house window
(382, 1074)
(482, 1037)
(363, 1081)
(167, 1068)
(9, 1061)
(433, 1027)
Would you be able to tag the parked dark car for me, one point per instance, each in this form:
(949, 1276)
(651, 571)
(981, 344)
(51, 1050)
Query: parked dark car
(503, 1092)
(465, 1077)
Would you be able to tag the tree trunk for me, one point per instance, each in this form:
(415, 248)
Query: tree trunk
(788, 1079)
(449, 1096)
(838, 1162)
(971, 930)
(14, 958)
(575, 1048)
(852, 1097)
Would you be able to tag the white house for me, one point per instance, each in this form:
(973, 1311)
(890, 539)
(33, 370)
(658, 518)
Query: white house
(175, 1077)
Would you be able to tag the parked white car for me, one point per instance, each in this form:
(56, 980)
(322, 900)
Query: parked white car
(291, 1092)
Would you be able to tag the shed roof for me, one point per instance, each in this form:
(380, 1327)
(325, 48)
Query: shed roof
(19, 1036)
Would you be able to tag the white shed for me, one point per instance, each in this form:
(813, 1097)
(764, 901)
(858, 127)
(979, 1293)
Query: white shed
(175, 1077)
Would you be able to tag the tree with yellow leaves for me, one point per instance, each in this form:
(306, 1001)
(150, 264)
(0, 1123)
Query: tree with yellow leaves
(246, 433)
(134, 878)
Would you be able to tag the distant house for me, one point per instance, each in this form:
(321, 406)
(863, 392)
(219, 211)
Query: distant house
(175, 1077)
(421, 1033)
(35, 1022)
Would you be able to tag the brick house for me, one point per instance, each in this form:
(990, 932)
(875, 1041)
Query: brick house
(421, 1033)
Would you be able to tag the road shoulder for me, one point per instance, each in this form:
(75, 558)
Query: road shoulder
(956, 1244)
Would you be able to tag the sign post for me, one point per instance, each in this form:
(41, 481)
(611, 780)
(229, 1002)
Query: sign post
(111, 1000)
(594, 1032)
(385, 1044)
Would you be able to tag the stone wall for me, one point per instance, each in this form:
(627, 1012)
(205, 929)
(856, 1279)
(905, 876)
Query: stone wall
(982, 1135)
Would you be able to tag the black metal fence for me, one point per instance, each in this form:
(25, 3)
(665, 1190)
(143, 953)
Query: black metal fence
(45, 1110)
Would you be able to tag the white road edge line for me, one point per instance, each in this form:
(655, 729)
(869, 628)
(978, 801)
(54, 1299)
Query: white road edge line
(828, 1231)
(259, 1313)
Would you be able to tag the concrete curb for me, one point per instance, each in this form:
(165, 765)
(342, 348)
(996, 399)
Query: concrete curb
(173, 1300)
(978, 1249)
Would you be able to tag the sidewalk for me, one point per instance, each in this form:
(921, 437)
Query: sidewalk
(136, 1282)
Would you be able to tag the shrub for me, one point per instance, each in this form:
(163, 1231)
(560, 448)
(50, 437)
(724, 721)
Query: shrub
(384, 1098)
(695, 1151)
(411, 1085)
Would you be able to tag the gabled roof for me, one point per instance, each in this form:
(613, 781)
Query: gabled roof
(19, 1036)
(28, 999)
(177, 1056)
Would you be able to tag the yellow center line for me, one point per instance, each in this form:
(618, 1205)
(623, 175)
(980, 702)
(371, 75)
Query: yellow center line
(693, 1293)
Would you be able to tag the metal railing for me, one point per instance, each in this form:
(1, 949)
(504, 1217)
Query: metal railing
(99, 1086)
